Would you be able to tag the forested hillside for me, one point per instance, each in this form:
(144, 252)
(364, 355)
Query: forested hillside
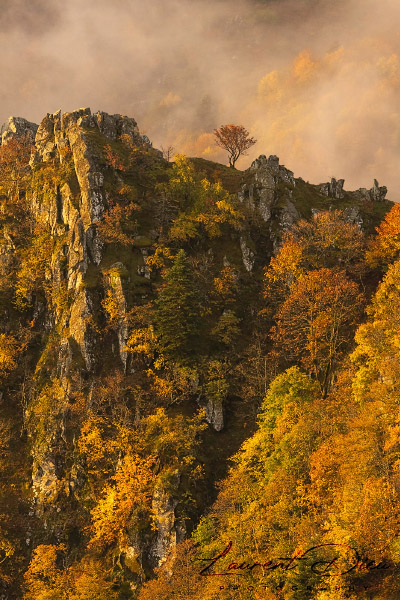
(199, 374)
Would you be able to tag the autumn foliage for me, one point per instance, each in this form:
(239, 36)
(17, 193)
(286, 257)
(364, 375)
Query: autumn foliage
(328, 240)
(235, 139)
(166, 399)
(384, 248)
(118, 225)
(314, 321)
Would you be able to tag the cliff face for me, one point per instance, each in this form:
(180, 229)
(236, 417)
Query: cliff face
(69, 205)
(83, 289)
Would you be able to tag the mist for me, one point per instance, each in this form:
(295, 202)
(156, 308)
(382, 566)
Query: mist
(316, 82)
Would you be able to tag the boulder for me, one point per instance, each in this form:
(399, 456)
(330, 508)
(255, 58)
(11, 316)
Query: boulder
(19, 128)
(333, 189)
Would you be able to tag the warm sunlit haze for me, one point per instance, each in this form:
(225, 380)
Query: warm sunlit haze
(316, 82)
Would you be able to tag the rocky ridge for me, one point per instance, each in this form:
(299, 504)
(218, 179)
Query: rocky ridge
(84, 268)
(270, 192)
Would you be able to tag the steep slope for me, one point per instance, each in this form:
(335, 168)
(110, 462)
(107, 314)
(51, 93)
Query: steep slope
(92, 230)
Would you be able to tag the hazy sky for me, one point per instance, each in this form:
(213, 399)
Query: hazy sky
(317, 82)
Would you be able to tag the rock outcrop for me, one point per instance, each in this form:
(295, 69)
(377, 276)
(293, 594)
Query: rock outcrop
(18, 128)
(247, 254)
(215, 413)
(261, 192)
(163, 505)
(73, 210)
(116, 279)
(375, 194)
(333, 189)
(73, 205)
(269, 195)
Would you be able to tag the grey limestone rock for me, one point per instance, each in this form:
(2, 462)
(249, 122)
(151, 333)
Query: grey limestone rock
(333, 189)
(261, 192)
(163, 505)
(376, 194)
(289, 215)
(72, 118)
(45, 143)
(263, 165)
(44, 479)
(215, 413)
(247, 255)
(18, 128)
(80, 331)
(353, 215)
(113, 126)
(116, 283)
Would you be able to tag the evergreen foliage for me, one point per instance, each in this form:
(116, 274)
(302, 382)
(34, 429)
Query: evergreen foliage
(177, 316)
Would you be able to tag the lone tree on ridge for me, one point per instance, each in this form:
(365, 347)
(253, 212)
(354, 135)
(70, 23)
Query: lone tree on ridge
(235, 139)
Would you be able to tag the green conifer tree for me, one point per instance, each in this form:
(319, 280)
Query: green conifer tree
(177, 317)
